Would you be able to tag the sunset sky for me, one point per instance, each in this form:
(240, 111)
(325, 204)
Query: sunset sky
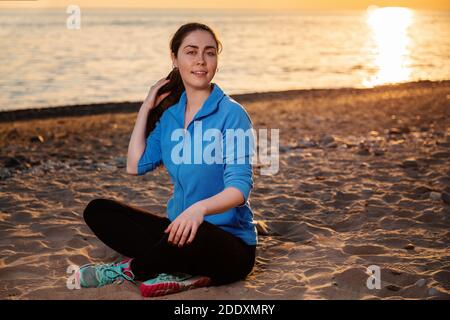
(236, 4)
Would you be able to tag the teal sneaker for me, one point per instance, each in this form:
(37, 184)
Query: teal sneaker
(166, 283)
(95, 276)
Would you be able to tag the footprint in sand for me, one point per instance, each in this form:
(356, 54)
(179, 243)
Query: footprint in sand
(364, 249)
(297, 231)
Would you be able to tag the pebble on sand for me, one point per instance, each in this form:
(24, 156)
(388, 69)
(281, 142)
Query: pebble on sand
(446, 197)
(4, 173)
(306, 143)
(435, 196)
(433, 292)
(410, 163)
(393, 287)
(326, 139)
(37, 138)
(420, 282)
(378, 152)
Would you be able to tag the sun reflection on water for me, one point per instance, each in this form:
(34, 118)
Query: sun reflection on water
(391, 52)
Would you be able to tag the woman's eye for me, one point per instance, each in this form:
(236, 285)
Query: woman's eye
(211, 54)
(190, 52)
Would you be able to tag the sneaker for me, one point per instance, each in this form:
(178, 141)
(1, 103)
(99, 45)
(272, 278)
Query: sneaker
(95, 276)
(166, 283)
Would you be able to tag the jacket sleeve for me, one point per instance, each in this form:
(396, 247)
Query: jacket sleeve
(151, 157)
(239, 145)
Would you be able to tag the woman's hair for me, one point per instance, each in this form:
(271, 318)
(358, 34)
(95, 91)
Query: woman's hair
(175, 85)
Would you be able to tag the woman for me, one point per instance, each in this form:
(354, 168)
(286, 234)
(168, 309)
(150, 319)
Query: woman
(209, 237)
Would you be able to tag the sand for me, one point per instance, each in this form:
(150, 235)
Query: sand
(364, 180)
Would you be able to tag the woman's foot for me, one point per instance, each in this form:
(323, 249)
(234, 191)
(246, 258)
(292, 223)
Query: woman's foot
(95, 276)
(166, 283)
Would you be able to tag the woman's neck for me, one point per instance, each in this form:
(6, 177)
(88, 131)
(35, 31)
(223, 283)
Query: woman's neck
(195, 98)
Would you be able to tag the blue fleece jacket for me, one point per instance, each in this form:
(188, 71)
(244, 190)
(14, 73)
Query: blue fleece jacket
(194, 178)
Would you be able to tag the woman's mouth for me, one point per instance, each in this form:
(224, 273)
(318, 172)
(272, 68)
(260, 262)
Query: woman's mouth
(199, 73)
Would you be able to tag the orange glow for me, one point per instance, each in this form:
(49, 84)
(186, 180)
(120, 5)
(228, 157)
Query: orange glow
(235, 4)
(390, 33)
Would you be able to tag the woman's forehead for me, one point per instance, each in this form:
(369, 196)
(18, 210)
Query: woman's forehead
(199, 39)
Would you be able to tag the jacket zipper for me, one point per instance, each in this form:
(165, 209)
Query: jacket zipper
(178, 179)
(178, 167)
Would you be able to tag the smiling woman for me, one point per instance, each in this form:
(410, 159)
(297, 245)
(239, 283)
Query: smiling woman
(194, 66)
(209, 236)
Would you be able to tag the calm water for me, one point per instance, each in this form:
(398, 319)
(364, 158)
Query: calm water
(117, 55)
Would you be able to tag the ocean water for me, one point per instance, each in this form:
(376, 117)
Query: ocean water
(116, 55)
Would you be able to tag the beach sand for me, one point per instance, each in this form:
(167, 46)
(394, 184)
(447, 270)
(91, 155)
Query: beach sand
(364, 179)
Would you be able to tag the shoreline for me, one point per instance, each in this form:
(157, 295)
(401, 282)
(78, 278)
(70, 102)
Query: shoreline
(133, 106)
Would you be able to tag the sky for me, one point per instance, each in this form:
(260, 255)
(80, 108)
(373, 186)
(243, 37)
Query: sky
(235, 4)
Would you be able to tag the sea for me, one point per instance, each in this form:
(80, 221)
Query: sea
(66, 56)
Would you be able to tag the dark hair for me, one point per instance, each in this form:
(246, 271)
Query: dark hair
(175, 85)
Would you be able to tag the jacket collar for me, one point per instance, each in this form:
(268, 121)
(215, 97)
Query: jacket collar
(208, 107)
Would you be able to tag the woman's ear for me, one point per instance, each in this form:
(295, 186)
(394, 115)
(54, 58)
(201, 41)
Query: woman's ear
(174, 59)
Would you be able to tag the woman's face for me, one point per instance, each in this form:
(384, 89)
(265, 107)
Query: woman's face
(197, 59)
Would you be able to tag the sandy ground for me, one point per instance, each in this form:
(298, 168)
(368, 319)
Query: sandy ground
(364, 180)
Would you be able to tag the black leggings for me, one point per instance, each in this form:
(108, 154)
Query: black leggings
(138, 234)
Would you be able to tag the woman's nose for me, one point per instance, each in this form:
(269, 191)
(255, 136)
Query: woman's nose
(200, 59)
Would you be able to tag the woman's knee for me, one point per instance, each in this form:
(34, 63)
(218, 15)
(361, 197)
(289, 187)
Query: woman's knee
(94, 207)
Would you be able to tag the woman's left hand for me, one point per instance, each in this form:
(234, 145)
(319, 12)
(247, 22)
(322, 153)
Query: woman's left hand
(186, 225)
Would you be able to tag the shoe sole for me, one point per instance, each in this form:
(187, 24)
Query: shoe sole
(161, 289)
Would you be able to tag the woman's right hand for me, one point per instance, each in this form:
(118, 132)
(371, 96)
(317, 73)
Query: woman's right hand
(153, 99)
